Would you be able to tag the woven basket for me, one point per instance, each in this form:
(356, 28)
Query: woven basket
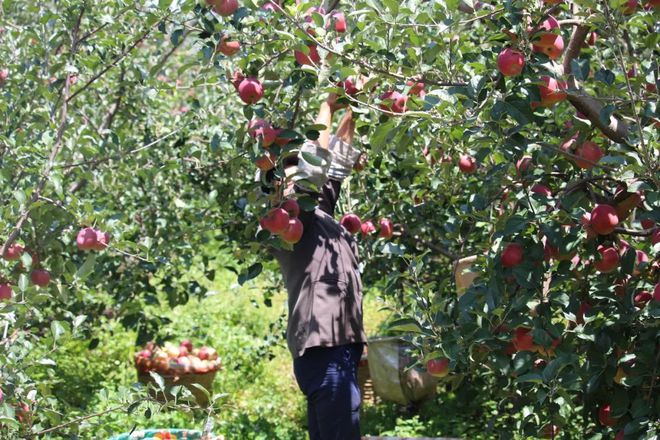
(186, 380)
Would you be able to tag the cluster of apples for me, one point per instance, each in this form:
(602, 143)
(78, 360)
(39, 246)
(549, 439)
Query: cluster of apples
(283, 221)
(353, 224)
(90, 239)
(522, 340)
(395, 102)
(172, 359)
(267, 135)
(38, 276)
(336, 21)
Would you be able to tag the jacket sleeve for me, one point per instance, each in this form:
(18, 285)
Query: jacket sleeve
(329, 196)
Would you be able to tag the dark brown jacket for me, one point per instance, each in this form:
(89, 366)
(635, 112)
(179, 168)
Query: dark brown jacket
(323, 281)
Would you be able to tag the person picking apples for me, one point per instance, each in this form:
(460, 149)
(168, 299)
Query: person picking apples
(325, 334)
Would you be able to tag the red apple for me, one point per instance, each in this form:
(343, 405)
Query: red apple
(522, 340)
(656, 293)
(550, 431)
(87, 239)
(266, 162)
(351, 222)
(250, 90)
(620, 435)
(386, 228)
(262, 130)
(224, 7)
(188, 344)
(540, 189)
(4, 75)
(603, 219)
(608, 261)
(207, 353)
(228, 48)
(540, 363)
(652, 4)
(293, 233)
(647, 223)
(276, 221)
(291, 207)
(40, 277)
(523, 164)
(416, 88)
(438, 367)
(589, 153)
(348, 86)
(13, 252)
(467, 164)
(5, 292)
(552, 45)
(551, 91)
(629, 7)
(393, 101)
(512, 255)
(584, 308)
(367, 228)
(604, 416)
(591, 40)
(102, 240)
(550, 24)
(655, 238)
(310, 59)
(510, 62)
(642, 298)
(236, 78)
(23, 413)
(340, 22)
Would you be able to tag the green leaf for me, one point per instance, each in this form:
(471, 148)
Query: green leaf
(57, 330)
(158, 379)
(313, 159)
(406, 325)
(252, 272)
(530, 377)
(606, 113)
(393, 6)
(86, 268)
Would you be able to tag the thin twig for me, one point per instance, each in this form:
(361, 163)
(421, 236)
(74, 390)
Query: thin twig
(116, 61)
(635, 232)
(81, 419)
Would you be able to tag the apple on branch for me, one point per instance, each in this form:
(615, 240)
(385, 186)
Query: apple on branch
(225, 8)
(351, 222)
(250, 90)
(438, 367)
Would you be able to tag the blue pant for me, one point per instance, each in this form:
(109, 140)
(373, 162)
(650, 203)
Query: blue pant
(328, 378)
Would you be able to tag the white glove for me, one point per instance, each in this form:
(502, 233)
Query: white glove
(313, 165)
(344, 157)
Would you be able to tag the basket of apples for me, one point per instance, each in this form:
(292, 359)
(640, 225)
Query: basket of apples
(178, 365)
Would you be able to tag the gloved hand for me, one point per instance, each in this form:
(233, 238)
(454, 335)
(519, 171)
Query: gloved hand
(313, 165)
(344, 157)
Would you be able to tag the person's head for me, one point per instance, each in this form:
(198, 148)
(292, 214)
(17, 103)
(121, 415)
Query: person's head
(289, 164)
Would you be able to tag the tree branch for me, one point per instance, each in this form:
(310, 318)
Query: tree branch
(616, 130)
(635, 232)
